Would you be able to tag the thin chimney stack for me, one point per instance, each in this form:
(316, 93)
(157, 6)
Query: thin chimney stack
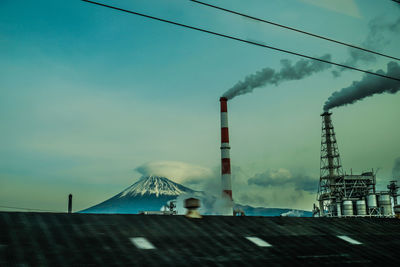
(225, 157)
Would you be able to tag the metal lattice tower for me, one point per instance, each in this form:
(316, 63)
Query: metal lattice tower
(331, 184)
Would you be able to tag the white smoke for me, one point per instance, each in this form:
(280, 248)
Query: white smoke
(292, 213)
(209, 204)
(396, 169)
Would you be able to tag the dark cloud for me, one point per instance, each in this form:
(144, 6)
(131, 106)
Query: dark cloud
(284, 178)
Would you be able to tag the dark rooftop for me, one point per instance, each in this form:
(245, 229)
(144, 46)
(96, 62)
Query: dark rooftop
(56, 239)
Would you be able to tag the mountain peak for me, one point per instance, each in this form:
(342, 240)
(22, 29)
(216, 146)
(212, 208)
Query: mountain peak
(155, 185)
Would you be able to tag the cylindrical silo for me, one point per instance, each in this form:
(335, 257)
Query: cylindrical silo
(339, 209)
(371, 201)
(348, 208)
(361, 207)
(397, 211)
(385, 204)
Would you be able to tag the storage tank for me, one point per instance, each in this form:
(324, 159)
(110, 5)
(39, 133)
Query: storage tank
(339, 209)
(385, 204)
(348, 208)
(371, 201)
(397, 211)
(361, 207)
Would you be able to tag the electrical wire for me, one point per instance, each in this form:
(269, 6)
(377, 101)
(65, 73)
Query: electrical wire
(243, 40)
(20, 208)
(294, 29)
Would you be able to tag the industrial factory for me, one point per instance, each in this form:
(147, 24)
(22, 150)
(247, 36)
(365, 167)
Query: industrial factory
(340, 194)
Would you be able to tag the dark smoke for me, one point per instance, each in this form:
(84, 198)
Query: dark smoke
(368, 86)
(301, 69)
(396, 169)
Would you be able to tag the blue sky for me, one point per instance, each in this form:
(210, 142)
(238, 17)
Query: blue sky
(88, 94)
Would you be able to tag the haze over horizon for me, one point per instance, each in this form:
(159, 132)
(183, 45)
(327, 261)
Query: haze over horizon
(92, 98)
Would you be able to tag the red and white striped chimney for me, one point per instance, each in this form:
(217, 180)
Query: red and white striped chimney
(225, 158)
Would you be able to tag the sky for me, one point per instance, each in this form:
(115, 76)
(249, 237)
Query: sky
(91, 99)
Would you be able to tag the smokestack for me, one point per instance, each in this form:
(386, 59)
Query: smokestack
(225, 158)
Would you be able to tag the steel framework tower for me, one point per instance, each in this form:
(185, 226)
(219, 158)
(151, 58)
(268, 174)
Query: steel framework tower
(331, 188)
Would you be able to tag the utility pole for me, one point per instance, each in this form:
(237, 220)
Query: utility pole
(70, 203)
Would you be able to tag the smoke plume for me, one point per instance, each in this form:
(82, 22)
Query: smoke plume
(301, 69)
(368, 86)
(396, 169)
(375, 38)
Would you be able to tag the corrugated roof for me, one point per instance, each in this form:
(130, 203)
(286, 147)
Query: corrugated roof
(50, 239)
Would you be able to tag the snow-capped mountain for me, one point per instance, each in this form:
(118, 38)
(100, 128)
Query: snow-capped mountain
(156, 186)
(150, 193)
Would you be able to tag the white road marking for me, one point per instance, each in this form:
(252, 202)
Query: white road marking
(348, 239)
(142, 243)
(258, 241)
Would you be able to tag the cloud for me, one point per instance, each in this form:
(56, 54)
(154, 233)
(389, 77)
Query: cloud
(286, 188)
(284, 178)
(177, 171)
(347, 7)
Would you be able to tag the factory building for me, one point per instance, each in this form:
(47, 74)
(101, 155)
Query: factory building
(61, 239)
(340, 194)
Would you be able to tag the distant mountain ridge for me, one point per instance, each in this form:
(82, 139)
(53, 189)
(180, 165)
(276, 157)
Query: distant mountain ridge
(151, 193)
(261, 211)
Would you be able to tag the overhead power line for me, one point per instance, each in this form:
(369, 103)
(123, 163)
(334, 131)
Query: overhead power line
(296, 30)
(20, 208)
(243, 40)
